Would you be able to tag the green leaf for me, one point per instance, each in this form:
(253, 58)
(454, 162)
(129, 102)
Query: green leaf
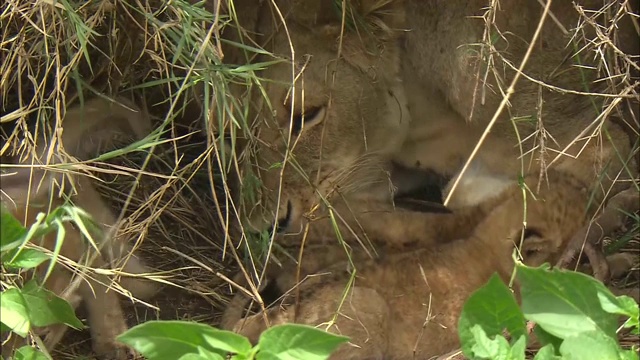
(295, 341)
(494, 308)
(173, 339)
(547, 352)
(266, 355)
(564, 303)
(13, 311)
(518, 348)
(46, 308)
(590, 345)
(495, 349)
(24, 258)
(202, 355)
(629, 354)
(11, 230)
(30, 353)
(623, 305)
(246, 356)
(547, 339)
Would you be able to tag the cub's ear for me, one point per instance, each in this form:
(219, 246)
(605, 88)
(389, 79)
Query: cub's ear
(537, 249)
(101, 124)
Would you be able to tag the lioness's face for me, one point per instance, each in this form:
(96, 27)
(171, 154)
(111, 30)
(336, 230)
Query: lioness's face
(328, 125)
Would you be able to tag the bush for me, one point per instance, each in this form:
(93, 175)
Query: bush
(25, 305)
(576, 317)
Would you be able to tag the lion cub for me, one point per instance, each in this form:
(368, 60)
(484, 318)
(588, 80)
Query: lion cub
(410, 301)
(27, 191)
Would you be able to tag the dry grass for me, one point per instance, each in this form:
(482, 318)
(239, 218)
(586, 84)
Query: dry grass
(57, 52)
(181, 233)
(54, 52)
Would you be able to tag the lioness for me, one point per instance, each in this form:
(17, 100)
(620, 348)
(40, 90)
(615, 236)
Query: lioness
(411, 301)
(26, 192)
(368, 83)
(452, 73)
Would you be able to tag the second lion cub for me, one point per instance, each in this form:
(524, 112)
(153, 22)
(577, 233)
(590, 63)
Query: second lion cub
(385, 312)
(34, 188)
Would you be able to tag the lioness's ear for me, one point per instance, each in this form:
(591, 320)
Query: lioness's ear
(380, 19)
(369, 33)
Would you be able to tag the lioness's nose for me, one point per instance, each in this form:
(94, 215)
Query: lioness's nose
(262, 221)
(284, 219)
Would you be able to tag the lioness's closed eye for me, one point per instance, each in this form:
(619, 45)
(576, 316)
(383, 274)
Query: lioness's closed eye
(307, 118)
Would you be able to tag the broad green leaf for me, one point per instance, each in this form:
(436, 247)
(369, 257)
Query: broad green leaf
(519, 347)
(173, 339)
(495, 349)
(623, 305)
(266, 355)
(547, 352)
(547, 339)
(191, 356)
(229, 342)
(494, 308)
(11, 230)
(564, 303)
(29, 353)
(246, 356)
(629, 354)
(590, 345)
(24, 258)
(46, 308)
(295, 341)
(13, 311)
(203, 355)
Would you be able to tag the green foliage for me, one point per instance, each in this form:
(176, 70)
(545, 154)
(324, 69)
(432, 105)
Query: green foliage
(29, 353)
(294, 341)
(30, 305)
(164, 340)
(576, 317)
(497, 347)
(496, 309)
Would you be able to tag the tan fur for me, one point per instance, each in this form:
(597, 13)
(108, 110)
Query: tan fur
(412, 300)
(380, 94)
(86, 132)
(443, 74)
(354, 105)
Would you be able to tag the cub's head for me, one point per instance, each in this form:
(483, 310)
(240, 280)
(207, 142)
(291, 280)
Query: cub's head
(540, 223)
(330, 109)
(87, 130)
